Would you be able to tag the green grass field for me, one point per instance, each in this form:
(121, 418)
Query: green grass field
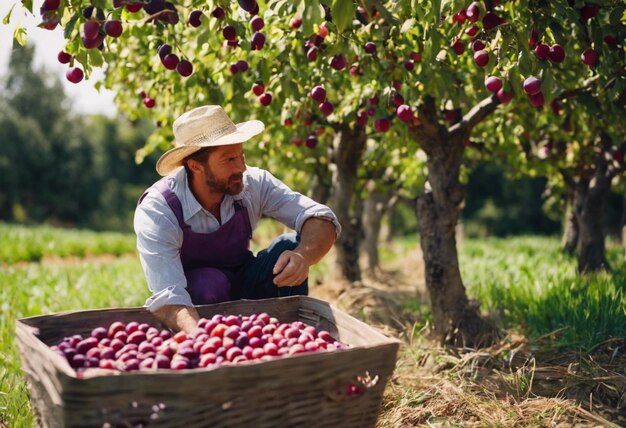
(525, 283)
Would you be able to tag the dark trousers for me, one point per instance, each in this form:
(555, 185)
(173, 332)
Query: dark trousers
(255, 279)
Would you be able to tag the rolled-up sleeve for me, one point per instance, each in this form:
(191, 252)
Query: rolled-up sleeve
(290, 208)
(159, 239)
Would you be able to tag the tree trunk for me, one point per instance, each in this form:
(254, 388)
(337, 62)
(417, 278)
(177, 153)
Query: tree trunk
(570, 230)
(569, 241)
(591, 248)
(375, 207)
(349, 147)
(622, 222)
(320, 191)
(456, 319)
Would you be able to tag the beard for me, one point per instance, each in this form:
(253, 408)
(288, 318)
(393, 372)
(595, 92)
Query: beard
(230, 186)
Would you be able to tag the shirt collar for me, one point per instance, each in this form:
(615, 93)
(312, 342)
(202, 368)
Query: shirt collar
(190, 204)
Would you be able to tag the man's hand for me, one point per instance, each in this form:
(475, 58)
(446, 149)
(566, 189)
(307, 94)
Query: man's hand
(316, 238)
(291, 269)
(178, 317)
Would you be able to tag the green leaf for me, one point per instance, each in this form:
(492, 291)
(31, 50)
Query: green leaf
(407, 25)
(547, 84)
(69, 27)
(343, 12)
(28, 4)
(95, 58)
(7, 18)
(437, 10)
(311, 15)
(445, 4)
(20, 35)
(203, 37)
(524, 62)
(99, 4)
(617, 15)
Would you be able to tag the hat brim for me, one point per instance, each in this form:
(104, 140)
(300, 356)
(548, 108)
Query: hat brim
(172, 159)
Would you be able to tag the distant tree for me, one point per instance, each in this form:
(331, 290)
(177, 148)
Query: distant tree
(61, 167)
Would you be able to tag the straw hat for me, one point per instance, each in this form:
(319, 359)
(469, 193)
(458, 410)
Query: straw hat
(206, 126)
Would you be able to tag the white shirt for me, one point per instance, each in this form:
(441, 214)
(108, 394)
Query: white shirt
(159, 237)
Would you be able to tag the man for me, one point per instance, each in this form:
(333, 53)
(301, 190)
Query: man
(194, 226)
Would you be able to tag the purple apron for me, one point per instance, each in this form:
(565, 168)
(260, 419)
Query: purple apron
(210, 260)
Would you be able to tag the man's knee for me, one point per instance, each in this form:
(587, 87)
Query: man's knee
(285, 242)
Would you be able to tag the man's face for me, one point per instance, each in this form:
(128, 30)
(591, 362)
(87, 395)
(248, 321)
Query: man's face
(224, 169)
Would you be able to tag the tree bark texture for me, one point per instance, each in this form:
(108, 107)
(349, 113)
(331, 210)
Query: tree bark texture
(375, 207)
(591, 247)
(569, 240)
(349, 146)
(321, 189)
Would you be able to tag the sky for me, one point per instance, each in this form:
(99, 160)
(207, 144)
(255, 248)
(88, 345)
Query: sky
(85, 98)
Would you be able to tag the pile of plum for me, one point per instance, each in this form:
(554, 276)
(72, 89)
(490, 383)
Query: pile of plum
(220, 340)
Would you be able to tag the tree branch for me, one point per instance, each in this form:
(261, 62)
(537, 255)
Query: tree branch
(571, 93)
(473, 117)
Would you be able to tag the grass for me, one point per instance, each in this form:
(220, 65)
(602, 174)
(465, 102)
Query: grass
(31, 244)
(528, 283)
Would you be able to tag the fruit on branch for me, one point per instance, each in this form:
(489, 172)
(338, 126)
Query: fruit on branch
(258, 88)
(295, 22)
(113, 28)
(473, 12)
(504, 96)
(218, 13)
(382, 125)
(536, 100)
(478, 45)
(318, 93)
(74, 74)
(491, 20)
(404, 113)
(265, 99)
(63, 57)
(91, 28)
(590, 57)
(589, 11)
(311, 141)
(257, 23)
(338, 62)
(458, 47)
(229, 32)
(248, 5)
(493, 84)
(542, 51)
(258, 41)
(472, 31)
(170, 61)
(557, 53)
(184, 68)
(195, 18)
(326, 108)
(532, 85)
(481, 58)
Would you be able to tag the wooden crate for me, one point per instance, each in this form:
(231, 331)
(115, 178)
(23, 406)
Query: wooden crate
(305, 390)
